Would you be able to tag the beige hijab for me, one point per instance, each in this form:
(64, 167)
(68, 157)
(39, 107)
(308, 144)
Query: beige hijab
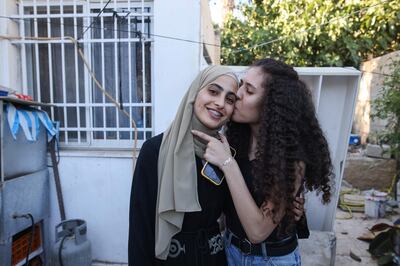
(177, 174)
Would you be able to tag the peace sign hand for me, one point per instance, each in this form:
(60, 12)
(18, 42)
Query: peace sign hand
(217, 151)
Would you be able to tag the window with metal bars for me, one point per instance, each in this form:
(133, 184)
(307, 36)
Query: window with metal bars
(117, 45)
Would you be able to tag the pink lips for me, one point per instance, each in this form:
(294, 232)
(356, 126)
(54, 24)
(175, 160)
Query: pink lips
(216, 115)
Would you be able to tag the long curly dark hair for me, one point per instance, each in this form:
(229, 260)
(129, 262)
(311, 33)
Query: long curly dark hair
(289, 133)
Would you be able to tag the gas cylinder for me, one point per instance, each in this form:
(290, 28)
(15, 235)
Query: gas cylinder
(72, 248)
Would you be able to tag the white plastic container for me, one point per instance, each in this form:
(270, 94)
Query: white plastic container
(375, 204)
(398, 191)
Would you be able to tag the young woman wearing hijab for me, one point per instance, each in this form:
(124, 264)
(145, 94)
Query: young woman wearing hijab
(280, 150)
(174, 208)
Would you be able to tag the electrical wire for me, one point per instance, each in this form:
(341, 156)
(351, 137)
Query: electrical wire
(306, 30)
(92, 75)
(101, 11)
(60, 249)
(377, 73)
(27, 216)
(392, 189)
(99, 86)
(216, 45)
(119, 62)
(372, 72)
(117, 30)
(119, 105)
(30, 239)
(346, 206)
(350, 216)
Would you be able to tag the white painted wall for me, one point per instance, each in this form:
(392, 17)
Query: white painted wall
(176, 63)
(97, 184)
(96, 187)
(10, 66)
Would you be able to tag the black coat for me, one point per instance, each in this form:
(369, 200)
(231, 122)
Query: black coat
(141, 243)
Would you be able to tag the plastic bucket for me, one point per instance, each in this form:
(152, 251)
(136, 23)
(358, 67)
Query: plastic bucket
(375, 204)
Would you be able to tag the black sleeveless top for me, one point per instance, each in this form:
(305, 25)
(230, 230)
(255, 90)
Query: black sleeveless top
(232, 219)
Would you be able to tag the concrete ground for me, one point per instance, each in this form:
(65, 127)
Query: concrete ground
(347, 231)
(317, 251)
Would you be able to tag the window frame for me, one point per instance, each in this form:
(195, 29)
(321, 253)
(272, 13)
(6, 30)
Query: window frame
(87, 8)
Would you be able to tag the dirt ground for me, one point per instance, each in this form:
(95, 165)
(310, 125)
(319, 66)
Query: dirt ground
(365, 173)
(347, 231)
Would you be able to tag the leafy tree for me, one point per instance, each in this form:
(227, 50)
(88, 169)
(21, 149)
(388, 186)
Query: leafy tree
(311, 32)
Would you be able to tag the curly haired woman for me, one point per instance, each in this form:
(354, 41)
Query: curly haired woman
(281, 150)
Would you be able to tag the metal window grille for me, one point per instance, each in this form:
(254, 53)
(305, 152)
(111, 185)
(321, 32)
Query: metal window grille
(117, 45)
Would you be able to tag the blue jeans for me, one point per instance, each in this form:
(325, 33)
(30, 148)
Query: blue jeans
(236, 258)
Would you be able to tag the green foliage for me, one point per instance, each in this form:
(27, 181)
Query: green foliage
(312, 32)
(387, 106)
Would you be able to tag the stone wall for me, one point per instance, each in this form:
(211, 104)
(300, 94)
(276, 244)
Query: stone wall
(211, 38)
(369, 173)
(370, 85)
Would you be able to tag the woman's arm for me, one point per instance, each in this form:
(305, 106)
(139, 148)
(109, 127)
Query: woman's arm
(256, 221)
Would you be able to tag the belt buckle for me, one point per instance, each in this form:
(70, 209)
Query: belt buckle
(245, 246)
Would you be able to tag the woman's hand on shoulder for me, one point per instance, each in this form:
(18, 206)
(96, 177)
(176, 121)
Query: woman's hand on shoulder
(217, 151)
(299, 183)
(298, 208)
